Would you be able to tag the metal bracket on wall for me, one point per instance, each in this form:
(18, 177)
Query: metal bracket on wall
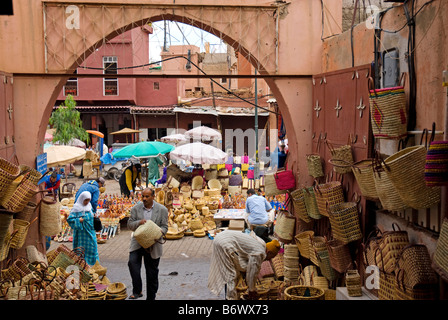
(337, 108)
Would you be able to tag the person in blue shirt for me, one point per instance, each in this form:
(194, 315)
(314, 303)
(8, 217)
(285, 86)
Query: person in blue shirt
(257, 208)
(93, 186)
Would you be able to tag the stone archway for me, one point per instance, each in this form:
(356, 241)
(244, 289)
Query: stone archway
(291, 45)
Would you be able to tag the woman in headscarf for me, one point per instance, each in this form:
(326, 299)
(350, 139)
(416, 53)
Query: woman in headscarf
(81, 221)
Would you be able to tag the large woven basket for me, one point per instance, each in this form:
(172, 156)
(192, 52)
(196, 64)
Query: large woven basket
(285, 225)
(415, 262)
(309, 198)
(328, 194)
(303, 242)
(387, 193)
(340, 157)
(440, 259)
(27, 212)
(270, 186)
(21, 226)
(298, 200)
(388, 114)
(35, 175)
(363, 172)
(344, 222)
(340, 257)
(50, 217)
(147, 234)
(406, 170)
(390, 245)
(5, 220)
(325, 266)
(304, 293)
(8, 172)
(404, 292)
(20, 191)
(436, 165)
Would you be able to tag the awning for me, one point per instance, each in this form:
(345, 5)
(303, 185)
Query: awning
(240, 112)
(162, 110)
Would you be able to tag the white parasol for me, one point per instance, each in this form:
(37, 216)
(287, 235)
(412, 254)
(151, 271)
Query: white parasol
(199, 153)
(203, 133)
(174, 138)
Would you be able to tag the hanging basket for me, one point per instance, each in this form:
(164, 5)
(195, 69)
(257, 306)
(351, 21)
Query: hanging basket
(388, 113)
(314, 164)
(406, 170)
(284, 226)
(303, 242)
(387, 193)
(328, 194)
(16, 196)
(298, 201)
(344, 222)
(363, 172)
(341, 158)
(339, 254)
(8, 172)
(436, 165)
(309, 198)
(270, 186)
(21, 226)
(27, 212)
(404, 292)
(387, 287)
(50, 217)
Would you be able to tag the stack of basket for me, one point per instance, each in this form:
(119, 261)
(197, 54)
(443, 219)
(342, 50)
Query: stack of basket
(291, 262)
(278, 266)
(116, 291)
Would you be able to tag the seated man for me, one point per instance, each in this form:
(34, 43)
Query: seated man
(257, 208)
(52, 183)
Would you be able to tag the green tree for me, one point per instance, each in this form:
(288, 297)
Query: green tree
(66, 121)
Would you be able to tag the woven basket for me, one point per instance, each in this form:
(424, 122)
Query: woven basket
(233, 190)
(147, 234)
(303, 242)
(197, 183)
(389, 248)
(388, 195)
(285, 226)
(298, 201)
(311, 204)
(415, 262)
(406, 170)
(328, 194)
(214, 184)
(304, 293)
(317, 244)
(211, 174)
(387, 286)
(404, 292)
(21, 226)
(270, 186)
(353, 283)
(340, 157)
(27, 212)
(440, 259)
(340, 257)
(278, 266)
(325, 266)
(363, 172)
(50, 217)
(8, 172)
(16, 196)
(186, 191)
(388, 114)
(35, 175)
(344, 222)
(6, 218)
(436, 165)
(314, 164)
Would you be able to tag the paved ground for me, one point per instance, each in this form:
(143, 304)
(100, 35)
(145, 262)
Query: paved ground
(188, 258)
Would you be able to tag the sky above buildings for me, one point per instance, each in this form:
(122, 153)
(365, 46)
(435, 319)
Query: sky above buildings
(176, 33)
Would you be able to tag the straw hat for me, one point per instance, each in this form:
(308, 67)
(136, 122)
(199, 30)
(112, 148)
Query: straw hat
(199, 233)
(116, 287)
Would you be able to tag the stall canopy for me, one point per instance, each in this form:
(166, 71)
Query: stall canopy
(203, 133)
(62, 155)
(176, 138)
(199, 153)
